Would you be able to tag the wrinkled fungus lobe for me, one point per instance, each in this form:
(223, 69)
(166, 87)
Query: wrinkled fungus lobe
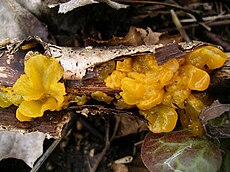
(39, 87)
(158, 90)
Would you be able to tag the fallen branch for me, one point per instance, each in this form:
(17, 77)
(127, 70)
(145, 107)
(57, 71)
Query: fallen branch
(80, 76)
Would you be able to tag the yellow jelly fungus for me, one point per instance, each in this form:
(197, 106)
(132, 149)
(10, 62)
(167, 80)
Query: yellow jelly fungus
(209, 56)
(105, 69)
(176, 92)
(172, 65)
(140, 83)
(196, 79)
(114, 80)
(4, 102)
(100, 96)
(80, 100)
(28, 46)
(122, 105)
(39, 87)
(150, 86)
(161, 118)
(125, 66)
(193, 108)
(7, 98)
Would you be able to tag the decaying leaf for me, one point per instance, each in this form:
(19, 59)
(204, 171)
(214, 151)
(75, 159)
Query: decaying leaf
(119, 167)
(213, 111)
(215, 119)
(130, 125)
(72, 4)
(27, 147)
(180, 151)
(138, 36)
(15, 20)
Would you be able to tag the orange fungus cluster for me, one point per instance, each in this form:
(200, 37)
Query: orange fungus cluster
(159, 90)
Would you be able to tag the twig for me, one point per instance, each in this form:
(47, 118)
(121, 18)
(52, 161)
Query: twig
(197, 16)
(54, 145)
(215, 38)
(205, 26)
(200, 23)
(108, 142)
(175, 6)
(209, 18)
(179, 26)
(217, 23)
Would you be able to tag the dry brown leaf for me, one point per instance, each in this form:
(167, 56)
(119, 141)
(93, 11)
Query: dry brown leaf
(149, 37)
(119, 167)
(213, 111)
(138, 36)
(125, 128)
(14, 21)
(27, 147)
(215, 119)
(135, 37)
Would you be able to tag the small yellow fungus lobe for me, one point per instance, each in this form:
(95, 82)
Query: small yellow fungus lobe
(7, 97)
(39, 87)
(80, 100)
(28, 46)
(105, 69)
(196, 78)
(190, 116)
(207, 56)
(125, 66)
(159, 90)
(122, 105)
(161, 118)
(114, 80)
(100, 96)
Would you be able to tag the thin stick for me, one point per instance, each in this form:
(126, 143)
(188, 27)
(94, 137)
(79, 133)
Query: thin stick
(196, 14)
(179, 26)
(217, 23)
(53, 145)
(209, 18)
(201, 23)
(107, 144)
(218, 40)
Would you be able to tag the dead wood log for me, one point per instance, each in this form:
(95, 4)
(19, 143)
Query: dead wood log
(79, 75)
(51, 123)
(221, 78)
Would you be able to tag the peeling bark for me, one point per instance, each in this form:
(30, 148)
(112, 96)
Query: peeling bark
(51, 123)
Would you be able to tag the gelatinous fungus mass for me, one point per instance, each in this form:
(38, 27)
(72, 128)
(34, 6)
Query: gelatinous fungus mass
(157, 90)
(38, 89)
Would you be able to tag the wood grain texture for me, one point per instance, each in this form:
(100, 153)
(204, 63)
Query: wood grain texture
(51, 123)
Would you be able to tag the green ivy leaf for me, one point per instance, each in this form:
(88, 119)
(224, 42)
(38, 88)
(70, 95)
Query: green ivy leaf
(180, 151)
